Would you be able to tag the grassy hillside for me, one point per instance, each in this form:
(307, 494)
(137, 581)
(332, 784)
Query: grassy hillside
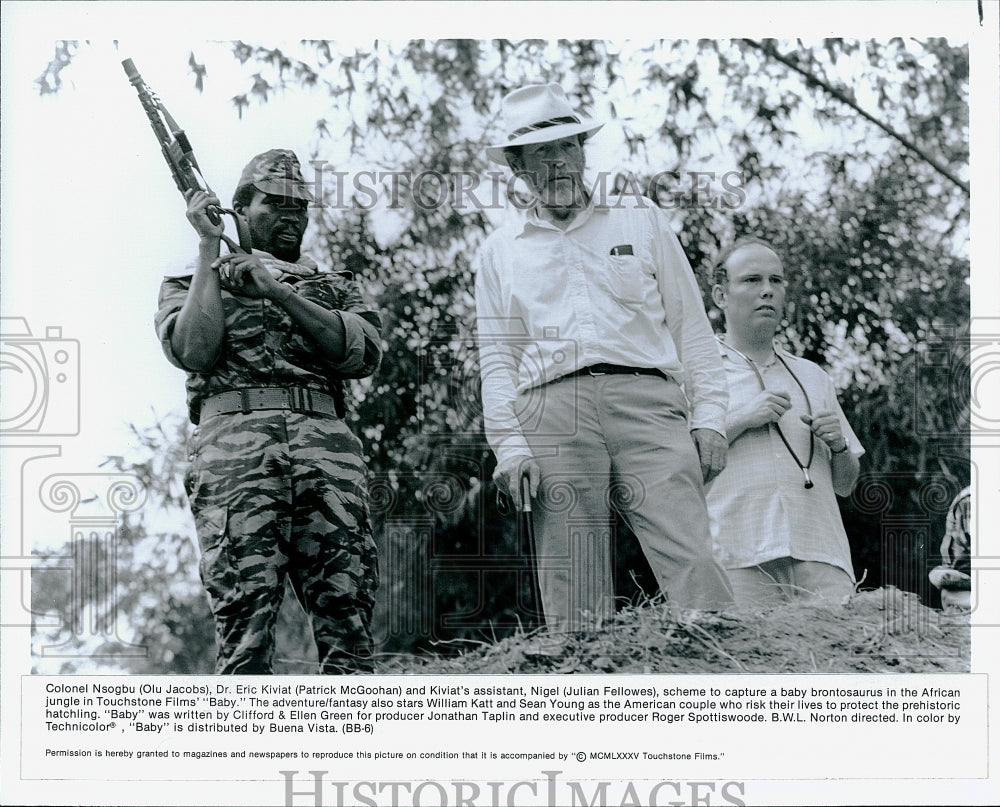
(875, 631)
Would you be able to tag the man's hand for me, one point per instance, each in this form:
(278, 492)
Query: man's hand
(198, 202)
(508, 478)
(826, 426)
(767, 407)
(245, 275)
(712, 448)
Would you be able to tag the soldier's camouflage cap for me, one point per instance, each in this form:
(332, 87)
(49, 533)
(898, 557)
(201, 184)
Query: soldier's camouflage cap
(277, 172)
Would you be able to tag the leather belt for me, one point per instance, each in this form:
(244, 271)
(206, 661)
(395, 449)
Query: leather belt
(614, 369)
(253, 399)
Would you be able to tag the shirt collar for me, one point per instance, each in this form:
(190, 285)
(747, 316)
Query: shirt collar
(532, 219)
(731, 354)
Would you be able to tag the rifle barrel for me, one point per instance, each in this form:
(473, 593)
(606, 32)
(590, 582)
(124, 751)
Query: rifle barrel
(130, 71)
(183, 166)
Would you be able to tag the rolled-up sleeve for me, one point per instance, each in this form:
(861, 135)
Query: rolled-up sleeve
(833, 403)
(704, 376)
(362, 334)
(173, 293)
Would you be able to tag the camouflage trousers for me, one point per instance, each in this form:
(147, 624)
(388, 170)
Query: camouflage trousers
(276, 495)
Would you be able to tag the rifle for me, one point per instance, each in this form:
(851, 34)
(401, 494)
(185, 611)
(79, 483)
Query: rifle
(180, 157)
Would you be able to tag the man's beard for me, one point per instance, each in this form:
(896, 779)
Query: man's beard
(287, 252)
(280, 248)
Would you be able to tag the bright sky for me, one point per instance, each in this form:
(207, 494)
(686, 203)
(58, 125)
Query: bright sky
(97, 220)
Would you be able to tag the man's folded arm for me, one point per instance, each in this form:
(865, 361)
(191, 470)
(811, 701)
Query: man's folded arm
(358, 333)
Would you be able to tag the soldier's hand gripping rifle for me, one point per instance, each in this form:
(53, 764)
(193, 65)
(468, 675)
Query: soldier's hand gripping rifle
(180, 158)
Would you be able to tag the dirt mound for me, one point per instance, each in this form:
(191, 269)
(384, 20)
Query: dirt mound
(875, 631)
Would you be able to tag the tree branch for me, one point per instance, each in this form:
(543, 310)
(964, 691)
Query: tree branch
(811, 78)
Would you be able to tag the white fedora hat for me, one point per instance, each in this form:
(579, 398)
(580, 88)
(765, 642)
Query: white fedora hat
(539, 113)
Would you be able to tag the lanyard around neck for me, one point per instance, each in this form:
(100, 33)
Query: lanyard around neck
(760, 379)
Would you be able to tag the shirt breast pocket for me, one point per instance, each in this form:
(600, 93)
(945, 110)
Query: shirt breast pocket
(627, 280)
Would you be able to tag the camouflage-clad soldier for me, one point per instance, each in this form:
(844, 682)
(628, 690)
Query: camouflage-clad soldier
(277, 482)
(954, 576)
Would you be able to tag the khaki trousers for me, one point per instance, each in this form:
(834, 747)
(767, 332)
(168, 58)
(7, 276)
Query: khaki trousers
(617, 441)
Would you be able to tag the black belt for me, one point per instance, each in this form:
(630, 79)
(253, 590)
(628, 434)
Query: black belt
(614, 369)
(252, 399)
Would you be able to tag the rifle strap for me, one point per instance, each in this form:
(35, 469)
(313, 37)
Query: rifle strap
(242, 233)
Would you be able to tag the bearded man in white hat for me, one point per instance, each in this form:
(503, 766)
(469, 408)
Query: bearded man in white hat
(601, 381)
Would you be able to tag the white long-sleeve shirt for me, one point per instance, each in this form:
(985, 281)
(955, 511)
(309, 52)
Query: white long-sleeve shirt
(614, 287)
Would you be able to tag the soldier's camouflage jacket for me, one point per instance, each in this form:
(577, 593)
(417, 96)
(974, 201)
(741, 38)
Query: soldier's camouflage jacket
(262, 349)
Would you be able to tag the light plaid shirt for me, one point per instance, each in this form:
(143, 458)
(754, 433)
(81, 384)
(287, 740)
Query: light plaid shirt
(759, 507)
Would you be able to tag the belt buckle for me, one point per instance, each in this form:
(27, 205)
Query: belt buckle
(300, 400)
(593, 372)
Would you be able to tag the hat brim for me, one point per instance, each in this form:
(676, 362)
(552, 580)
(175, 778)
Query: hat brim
(289, 189)
(546, 135)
